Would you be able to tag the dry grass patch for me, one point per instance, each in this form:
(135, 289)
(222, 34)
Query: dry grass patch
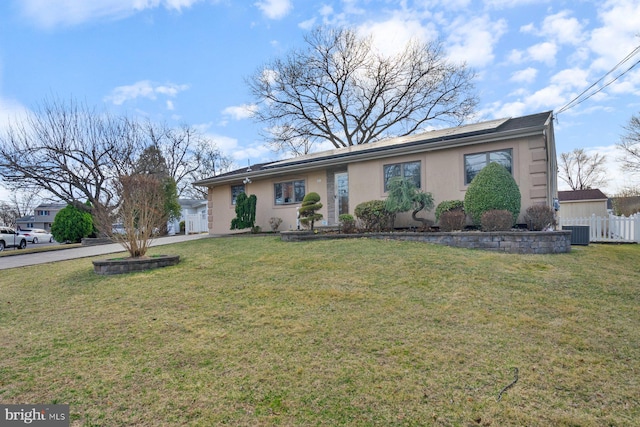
(254, 331)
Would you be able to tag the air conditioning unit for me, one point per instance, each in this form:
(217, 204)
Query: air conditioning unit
(579, 234)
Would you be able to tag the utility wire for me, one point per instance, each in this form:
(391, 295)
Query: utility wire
(577, 100)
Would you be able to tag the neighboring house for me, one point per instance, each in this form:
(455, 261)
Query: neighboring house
(441, 162)
(193, 213)
(582, 203)
(42, 217)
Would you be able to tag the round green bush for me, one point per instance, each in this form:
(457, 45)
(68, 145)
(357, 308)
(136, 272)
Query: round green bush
(374, 216)
(493, 188)
(71, 225)
(448, 205)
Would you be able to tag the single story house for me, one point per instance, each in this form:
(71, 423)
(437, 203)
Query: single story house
(442, 162)
(43, 216)
(582, 203)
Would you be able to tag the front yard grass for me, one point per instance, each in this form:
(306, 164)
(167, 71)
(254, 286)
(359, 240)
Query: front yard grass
(253, 331)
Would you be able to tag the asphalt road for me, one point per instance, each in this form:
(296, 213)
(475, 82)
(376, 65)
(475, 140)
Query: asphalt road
(34, 258)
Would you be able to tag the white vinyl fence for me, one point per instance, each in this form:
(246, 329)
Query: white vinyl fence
(196, 223)
(609, 229)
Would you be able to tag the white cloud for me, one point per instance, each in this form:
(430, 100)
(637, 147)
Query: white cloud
(240, 112)
(11, 112)
(571, 78)
(528, 75)
(308, 24)
(563, 28)
(543, 52)
(275, 9)
(504, 4)
(143, 89)
(473, 41)
(560, 28)
(391, 36)
(617, 36)
(170, 105)
(516, 57)
(51, 13)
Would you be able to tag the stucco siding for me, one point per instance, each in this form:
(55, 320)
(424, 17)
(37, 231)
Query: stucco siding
(222, 211)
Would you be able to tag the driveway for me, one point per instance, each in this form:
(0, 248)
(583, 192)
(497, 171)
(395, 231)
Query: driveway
(16, 261)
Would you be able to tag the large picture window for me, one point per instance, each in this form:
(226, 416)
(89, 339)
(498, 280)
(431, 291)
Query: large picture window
(289, 192)
(235, 190)
(407, 170)
(474, 163)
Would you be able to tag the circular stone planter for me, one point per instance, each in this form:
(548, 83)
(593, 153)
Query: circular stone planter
(128, 265)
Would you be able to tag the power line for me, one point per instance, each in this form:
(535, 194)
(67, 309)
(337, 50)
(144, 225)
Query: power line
(580, 99)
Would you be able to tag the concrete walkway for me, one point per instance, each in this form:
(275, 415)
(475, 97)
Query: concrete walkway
(34, 258)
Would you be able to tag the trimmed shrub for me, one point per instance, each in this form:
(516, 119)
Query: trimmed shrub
(274, 223)
(245, 212)
(373, 216)
(452, 220)
(347, 223)
(448, 205)
(71, 225)
(539, 217)
(493, 188)
(496, 220)
(308, 210)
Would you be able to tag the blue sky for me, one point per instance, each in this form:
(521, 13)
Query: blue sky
(186, 61)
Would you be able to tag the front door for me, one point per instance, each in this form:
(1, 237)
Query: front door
(341, 194)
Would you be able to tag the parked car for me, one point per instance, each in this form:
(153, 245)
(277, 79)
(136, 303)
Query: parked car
(35, 235)
(9, 238)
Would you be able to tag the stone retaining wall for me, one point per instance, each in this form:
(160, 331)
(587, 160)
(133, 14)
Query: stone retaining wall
(128, 265)
(517, 242)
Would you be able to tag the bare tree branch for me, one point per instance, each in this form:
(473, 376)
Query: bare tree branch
(76, 154)
(630, 146)
(339, 90)
(582, 171)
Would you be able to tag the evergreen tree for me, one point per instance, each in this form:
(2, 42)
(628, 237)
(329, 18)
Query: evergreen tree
(309, 209)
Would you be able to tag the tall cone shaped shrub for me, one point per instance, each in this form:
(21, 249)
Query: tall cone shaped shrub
(493, 188)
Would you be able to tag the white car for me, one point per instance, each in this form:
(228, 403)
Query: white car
(35, 235)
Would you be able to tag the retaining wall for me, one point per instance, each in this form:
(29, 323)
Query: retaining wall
(518, 242)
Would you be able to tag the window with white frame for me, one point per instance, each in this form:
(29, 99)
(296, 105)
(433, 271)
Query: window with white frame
(407, 170)
(235, 190)
(474, 163)
(289, 192)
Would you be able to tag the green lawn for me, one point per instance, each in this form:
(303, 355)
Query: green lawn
(253, 331)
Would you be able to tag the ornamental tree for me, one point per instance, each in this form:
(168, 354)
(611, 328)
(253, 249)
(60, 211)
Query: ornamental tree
(405, 196)
(309, 209)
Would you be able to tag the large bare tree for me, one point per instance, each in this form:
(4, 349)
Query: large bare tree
(340, 89)
(582, 171)
(74, 153)
(630, 145)
(69, 151)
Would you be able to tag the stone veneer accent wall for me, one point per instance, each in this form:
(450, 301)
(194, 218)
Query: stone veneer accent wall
(515, 242)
